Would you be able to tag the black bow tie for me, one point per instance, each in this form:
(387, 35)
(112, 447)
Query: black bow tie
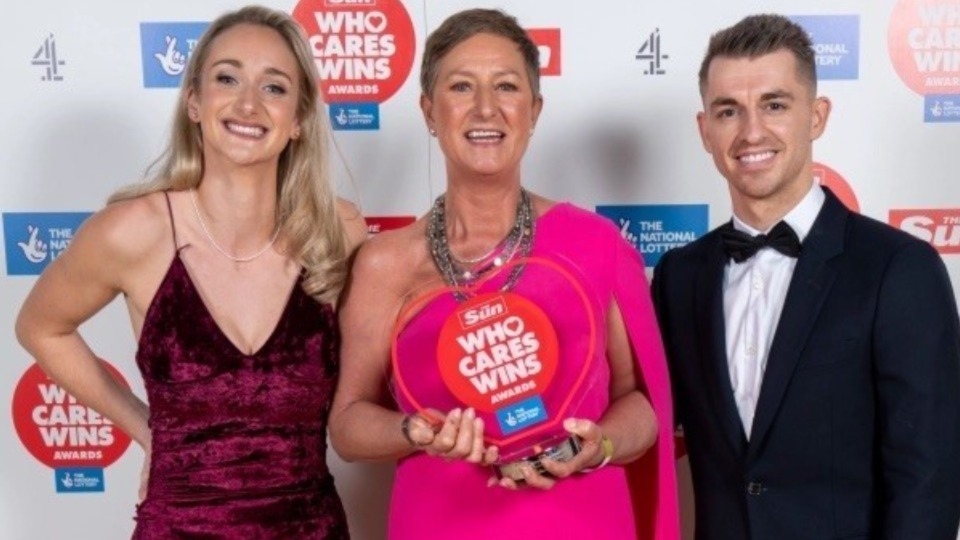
(740, 246)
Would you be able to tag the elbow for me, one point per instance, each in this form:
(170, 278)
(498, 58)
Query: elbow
(23, 330)
(339, 437)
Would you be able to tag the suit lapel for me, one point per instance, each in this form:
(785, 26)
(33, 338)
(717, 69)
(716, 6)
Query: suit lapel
(713, 345)
(809, 287)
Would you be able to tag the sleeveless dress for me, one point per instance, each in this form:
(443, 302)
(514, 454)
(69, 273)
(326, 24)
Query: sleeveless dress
(238, 441)
(437, 499)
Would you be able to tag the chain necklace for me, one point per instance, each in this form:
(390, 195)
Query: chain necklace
(196, 209)
(518, 240)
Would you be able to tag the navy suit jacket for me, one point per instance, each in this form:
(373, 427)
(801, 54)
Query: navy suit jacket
(857, 427)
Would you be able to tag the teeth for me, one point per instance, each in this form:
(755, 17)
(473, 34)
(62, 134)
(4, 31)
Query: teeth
(754, 158)
(249, 131)
(484, 134)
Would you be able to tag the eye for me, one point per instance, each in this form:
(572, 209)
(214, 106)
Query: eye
(276, 89)
(460, 86)
(224, 78)
(726, 113)
(776, 106)
(507, 87)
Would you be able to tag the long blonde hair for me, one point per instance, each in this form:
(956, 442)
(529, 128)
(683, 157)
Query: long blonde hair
(306, 204)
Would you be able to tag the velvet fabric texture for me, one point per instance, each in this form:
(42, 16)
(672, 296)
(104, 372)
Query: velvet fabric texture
(239, 441)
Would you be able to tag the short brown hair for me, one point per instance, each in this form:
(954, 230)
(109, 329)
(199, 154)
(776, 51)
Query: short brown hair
(463, 25)
(758, 35)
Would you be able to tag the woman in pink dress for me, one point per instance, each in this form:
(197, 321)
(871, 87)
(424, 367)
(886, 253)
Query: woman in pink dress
(487, 237)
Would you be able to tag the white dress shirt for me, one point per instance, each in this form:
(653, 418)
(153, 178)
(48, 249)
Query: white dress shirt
(753, 296)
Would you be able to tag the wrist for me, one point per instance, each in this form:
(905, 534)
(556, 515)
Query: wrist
(606, 450)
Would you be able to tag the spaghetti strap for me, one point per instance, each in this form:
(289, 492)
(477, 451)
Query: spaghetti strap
(173, 225)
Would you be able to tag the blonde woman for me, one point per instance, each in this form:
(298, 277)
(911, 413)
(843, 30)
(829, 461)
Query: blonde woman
(230, 262)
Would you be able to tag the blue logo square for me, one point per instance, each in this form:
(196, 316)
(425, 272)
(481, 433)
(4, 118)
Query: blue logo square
(656, 229)
(165, 49)
(34, 239)
(521, 415)
(836, 40)
(79, 480)
(355, 116)
(941, 108)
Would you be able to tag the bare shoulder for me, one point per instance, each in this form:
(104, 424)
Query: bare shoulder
(129, 230)
(354, 226)
(394, 258)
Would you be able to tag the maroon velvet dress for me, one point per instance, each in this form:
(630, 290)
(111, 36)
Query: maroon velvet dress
(239, 441)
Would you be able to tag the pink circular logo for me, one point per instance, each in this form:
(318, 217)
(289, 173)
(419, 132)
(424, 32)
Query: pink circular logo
(363, 48)
(58, 430)
(924, 43)
(827, 177)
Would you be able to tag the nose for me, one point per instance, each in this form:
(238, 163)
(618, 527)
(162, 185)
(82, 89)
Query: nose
(247, 99)
(485, 103)
(752, 129)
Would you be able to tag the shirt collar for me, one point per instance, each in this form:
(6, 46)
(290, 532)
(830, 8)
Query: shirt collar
(800, 218)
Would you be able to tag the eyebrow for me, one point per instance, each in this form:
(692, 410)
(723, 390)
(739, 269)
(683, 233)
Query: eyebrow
(269, 71)
(470, 73)
(724, 101)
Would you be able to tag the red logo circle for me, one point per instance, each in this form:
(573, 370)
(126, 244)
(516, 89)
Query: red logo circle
(827, 177)
(58, 430)
(363, 48)
(495, 349)
(924, 45)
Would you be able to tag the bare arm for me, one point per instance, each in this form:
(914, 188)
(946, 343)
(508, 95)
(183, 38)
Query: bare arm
(363, 422)
(78, 284)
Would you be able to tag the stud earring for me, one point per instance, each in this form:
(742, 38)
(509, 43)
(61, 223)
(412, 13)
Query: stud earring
(433, 132)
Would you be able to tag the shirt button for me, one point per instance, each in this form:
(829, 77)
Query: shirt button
(754, 488)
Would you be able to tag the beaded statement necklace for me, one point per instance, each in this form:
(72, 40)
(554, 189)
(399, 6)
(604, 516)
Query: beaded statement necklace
(234, 258)
(460, 273)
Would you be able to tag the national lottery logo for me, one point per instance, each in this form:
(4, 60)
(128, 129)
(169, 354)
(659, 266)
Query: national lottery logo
(924, 44)
(941, 108)
(165, 48)
(33, 240)
(655, 229)
(836, 42)
(64, 434)
(363, 50)
(500, 348)
(355, 116)
(938, 227)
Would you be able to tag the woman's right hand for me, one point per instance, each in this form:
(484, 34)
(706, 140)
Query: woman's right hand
(456, 435)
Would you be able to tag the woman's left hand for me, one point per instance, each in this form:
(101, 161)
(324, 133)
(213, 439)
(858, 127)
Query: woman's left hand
(590, 455)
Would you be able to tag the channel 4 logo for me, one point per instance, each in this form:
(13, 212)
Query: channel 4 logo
(165, 48)
(47, 58)
(34, 239)
(656, 229)
(355, 116)
(652, 55)
(836, 41)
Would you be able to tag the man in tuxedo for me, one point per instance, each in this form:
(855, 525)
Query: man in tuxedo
(815, 353)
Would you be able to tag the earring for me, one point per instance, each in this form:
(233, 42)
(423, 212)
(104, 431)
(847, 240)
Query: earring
(433, 132)
(296, 134)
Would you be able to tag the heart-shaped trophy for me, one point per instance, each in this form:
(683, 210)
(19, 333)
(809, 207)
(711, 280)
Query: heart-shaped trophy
(523, 358)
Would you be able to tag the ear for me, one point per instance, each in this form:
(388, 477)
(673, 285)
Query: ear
(193, 105)
(426, 107)
(818, 120)
(702, 128)
(537, 107)
(295, 132)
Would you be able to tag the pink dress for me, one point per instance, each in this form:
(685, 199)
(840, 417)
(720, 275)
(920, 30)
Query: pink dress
(434, 498)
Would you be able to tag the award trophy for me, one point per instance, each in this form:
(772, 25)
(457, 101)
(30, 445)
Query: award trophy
(524, 358)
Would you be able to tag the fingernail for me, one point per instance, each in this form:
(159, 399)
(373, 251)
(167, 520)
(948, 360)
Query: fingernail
(570, 424)
(470, 413)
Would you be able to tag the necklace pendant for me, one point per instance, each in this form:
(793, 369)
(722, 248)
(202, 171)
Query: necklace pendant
(467, 274)
(498, 261)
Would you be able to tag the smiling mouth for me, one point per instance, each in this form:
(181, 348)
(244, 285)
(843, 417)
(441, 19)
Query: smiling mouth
(485, 135)
(245, 131)
(757, 157)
